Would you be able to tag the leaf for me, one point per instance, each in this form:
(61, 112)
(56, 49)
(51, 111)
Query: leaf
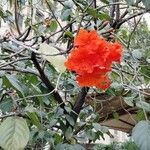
(69, 147)
(68, 133)
(97, 126)
(105, 1)
(14, 133)
(65, 14)
(146, 4)
(96, 14)
(129, 145)
(70, 120)
(69, 34)
(68, 4)
(11, 2)
(143, 105)
(58, 138)
(53, 26)
(68, 109)
(90, 134)
(137, 54)
(30, 108)
(129, 101)
(130, 2)
(52, 122)
(141, 135)
(1, 82)
(140, 115)
(115, 115)
(145, 71)
(56, 61)
(6, 105)
(34, 119)
(15, 83)
(1, 13)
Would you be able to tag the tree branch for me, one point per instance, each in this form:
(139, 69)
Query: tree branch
(117, 9)
(18, 69)
(16, 18)
(46, 81)
(14, 61)
(128, 18)
(79, 103)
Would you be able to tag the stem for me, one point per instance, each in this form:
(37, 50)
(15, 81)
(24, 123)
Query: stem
(16, 18)
(79, 103)
(46, 81)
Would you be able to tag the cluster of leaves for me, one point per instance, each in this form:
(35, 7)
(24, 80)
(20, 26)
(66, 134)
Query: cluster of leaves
(129, 145)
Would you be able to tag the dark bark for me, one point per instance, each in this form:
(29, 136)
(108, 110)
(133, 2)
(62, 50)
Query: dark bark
(46, 81)
(79, 103)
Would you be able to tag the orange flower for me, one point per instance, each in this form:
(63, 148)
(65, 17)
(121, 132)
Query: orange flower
(82, 39)
(92, 57)
(115, 52)
(96, 78)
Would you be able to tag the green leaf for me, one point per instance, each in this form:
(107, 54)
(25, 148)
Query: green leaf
(56, 61)
(77, 147)
(11, 2)
(69, 147)
(68, 109)
(58, 138)
(96, 14)
(143, 105)
(115, 115)
(62, 125)
(68, 4)
(1, 82)
(15, 83)
(65, 14)
(30, 108)
(68, 133)
(129, 145)
(130, 2)
(105, 1)
(97, 126)
(6, 105)
(137, 54)
(14, 133)
(53, 26)
(34, 119)
(70, 120)
(145, 71)
(140, 115)
(146, 4)
(90, 134)
(1, 13)
(129, 101)
(69, 34)
(141, 135)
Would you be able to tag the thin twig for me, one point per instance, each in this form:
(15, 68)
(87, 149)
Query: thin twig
(128, 45)
(18, 69)
(16, 18)
(12, 62)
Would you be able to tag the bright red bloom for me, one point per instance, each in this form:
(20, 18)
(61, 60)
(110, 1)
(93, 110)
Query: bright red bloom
(96, 78)
(82, 39)
(92, 57)
(115, 52)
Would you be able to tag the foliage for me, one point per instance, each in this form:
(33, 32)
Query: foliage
(14, 133)
(41, 105)
(142, 128)
(129, 145)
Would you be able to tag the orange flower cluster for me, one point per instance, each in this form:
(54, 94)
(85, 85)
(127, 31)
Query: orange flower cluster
(91, 58)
